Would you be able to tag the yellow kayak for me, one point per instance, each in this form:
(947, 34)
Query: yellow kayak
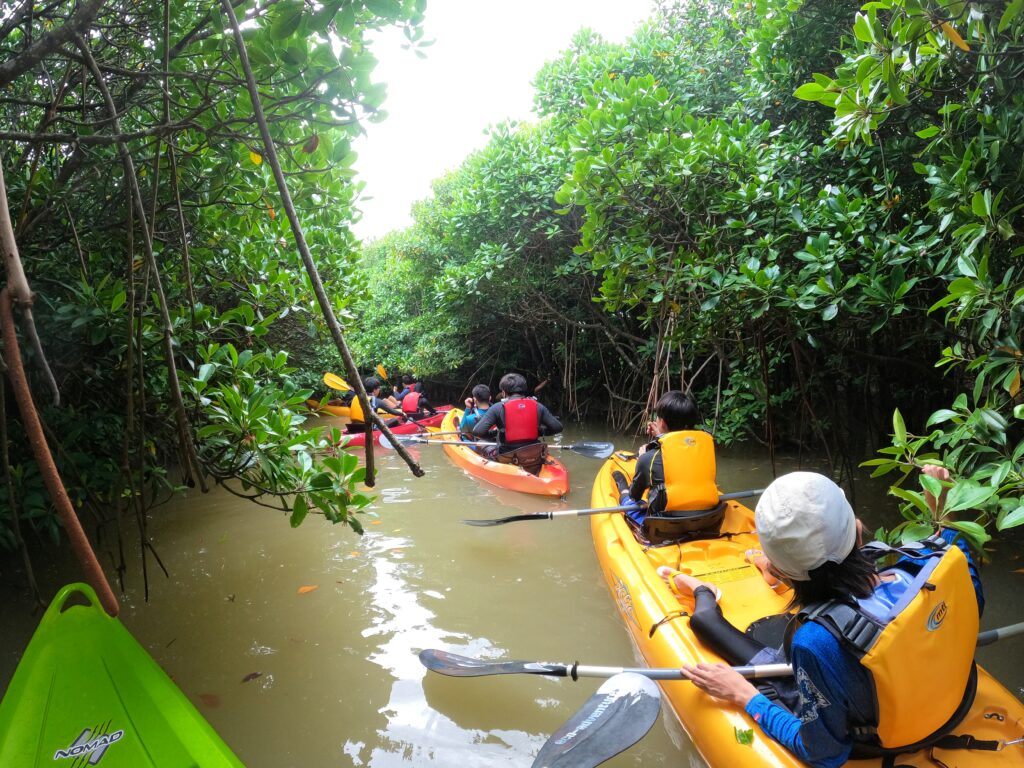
(717, 730)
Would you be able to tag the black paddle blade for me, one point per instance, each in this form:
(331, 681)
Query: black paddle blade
(592, 450)
(612, 720)
(509, 519)
(454, 665)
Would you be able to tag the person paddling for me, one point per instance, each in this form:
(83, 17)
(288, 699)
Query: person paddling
(357, 418)
(883, 659)
(520, 421)
(676, 472)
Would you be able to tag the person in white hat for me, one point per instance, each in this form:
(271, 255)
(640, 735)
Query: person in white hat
(811, 537)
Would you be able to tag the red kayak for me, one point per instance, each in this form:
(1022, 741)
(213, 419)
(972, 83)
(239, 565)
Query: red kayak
(358, 439)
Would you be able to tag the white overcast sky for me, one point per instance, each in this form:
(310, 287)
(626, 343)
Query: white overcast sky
(477, 73)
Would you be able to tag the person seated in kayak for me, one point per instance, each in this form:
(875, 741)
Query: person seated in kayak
(357, 420)
(520, 422)
(409, 384)
(883, 659)
(416, 406)
(676, 471)
(476, 406)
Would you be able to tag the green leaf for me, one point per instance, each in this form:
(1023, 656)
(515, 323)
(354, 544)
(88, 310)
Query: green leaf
(299, 511)
(1012, 520)
(287, 17)
(968, 494)
(1013, 10)
(975, 533)
(744, 736)
(118, 301)
(809, 92)
(927, 133)
(899, 429)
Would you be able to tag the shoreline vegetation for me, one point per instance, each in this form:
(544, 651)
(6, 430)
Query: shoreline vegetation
(805, 213)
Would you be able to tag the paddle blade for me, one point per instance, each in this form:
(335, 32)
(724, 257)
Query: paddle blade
(454, 665)
(336, 382)
(592, 450)
(383, 373)
(509, 519)
(612, 720)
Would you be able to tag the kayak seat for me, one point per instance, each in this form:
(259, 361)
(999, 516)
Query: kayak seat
(666, 527)
(530, 457)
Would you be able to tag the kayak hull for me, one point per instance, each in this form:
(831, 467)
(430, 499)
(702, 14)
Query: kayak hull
(553, 479)
(644, 600)
(85, 691)
(358, 439)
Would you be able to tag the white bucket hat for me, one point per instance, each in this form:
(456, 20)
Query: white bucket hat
(804, 521)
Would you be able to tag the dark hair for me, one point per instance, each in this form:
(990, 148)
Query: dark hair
(513, 384)
(678, 409)
(853, 577)
(482, 392)
(370, 383)
(407, 379)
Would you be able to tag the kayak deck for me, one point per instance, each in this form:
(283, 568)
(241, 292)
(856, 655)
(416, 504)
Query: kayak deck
(87, 692)
(644, 600)
(553, 479)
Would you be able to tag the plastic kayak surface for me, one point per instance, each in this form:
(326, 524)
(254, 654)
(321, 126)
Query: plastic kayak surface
(553, 479)
(356, 439)
(645, 601)
(339, 410)
(86, 693)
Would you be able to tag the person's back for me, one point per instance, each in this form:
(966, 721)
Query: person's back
(520, 422)
(677, 472)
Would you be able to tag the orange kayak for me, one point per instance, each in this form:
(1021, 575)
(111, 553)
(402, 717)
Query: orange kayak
(645, 603)
(553, 479)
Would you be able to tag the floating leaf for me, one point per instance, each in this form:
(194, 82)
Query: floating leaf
(251, 676)
(355, 553)
(210, 699)
(307, 589)
(954, 36)
(256, 158)
(744, 735)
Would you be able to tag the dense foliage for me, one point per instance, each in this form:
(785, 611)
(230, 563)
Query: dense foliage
(687, 212)
(210, 271)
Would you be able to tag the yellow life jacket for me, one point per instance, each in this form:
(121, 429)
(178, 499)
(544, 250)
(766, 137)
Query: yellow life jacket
(921, 654)
(688, 462)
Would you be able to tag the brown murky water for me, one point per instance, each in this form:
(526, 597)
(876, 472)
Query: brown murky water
(339, 682)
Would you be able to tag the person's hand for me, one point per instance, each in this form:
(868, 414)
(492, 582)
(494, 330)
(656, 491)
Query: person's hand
(469, 403)
(652, 429)
(721, 681)
(939, 473)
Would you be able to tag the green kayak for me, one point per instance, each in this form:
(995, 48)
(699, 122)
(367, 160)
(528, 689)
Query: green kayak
(86, 693)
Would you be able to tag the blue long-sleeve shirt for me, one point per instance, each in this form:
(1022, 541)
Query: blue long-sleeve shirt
(835, 690)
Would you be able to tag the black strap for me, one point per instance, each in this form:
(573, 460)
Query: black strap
(665, 619)
(967, 741)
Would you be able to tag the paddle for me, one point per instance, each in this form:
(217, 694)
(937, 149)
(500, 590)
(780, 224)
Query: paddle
(454, 665)
(383, 373)
(609, 722)
(591, 511)
(336, 382)
(585, 448)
